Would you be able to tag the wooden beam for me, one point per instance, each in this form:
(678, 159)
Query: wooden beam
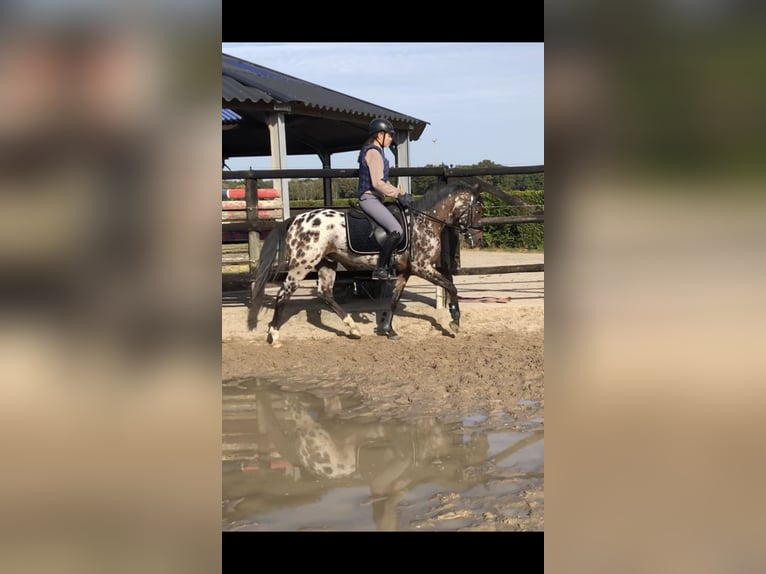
(511, 219)
(500, 269)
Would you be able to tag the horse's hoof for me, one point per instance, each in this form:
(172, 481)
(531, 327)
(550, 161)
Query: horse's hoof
(354, 335)
(276, 344)
(390, 334)
(454, 327)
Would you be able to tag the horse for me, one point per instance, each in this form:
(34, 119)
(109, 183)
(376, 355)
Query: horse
(320, 239)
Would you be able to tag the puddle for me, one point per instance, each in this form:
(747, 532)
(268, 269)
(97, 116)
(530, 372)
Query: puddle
(298, 461)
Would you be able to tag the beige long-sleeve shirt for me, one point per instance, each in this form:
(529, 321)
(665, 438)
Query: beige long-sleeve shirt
(379, 187)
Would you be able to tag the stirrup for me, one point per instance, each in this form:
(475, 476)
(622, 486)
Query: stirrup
(382, 274)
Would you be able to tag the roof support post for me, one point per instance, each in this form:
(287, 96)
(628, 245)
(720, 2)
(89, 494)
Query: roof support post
(403, 158)
(276, 122)
(326, 181)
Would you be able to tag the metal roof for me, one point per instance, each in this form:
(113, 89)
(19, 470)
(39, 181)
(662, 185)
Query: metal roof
(229, 116)
(317, 119)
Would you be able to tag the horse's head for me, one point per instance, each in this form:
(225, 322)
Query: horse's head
(456, 205)
(468, 213)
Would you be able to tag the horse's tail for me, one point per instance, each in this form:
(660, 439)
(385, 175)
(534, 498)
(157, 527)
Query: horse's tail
(273, 249)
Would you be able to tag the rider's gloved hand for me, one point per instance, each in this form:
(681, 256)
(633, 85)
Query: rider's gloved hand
(405, 199)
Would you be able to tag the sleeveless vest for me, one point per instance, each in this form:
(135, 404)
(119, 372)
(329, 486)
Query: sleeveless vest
(365, 179)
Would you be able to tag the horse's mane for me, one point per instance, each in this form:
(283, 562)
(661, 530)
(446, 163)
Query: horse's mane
(436, 194)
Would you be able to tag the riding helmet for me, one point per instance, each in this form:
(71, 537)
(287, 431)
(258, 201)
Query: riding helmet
(381, 125)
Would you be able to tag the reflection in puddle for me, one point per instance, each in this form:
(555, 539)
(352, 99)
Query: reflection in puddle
(297, 461)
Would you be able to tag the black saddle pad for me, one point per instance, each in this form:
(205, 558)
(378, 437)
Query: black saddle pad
(360, 230)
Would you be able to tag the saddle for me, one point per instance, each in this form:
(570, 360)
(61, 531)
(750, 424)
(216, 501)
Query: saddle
(365, 236)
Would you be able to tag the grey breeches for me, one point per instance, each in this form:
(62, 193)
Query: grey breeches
(373, 207)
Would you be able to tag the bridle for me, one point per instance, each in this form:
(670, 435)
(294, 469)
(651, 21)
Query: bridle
(466, 229)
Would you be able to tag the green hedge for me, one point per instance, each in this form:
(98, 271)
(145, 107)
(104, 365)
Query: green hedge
(516, 235)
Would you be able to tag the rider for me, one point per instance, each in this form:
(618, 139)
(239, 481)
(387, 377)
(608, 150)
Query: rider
(374, 188)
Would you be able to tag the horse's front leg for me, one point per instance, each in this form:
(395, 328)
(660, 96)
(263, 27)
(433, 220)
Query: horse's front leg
(326, 275)
(445, 282)
(386, 327)
(454, 304)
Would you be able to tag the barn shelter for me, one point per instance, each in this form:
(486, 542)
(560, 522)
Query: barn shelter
(268, 113)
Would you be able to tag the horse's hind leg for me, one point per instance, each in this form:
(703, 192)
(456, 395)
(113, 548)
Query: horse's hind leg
(326, 275)
(286, 291)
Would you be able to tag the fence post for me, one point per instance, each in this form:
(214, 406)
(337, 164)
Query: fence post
(441, 298)
(253, 236)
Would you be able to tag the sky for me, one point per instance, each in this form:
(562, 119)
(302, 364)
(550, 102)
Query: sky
(482, 101)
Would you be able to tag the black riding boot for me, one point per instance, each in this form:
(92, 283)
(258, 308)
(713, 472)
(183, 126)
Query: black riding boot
(384, 259)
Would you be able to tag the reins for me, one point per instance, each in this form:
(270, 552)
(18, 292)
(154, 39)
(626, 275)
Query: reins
(464, 229)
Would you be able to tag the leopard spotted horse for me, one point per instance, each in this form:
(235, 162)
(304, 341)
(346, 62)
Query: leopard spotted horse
(318, 240)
